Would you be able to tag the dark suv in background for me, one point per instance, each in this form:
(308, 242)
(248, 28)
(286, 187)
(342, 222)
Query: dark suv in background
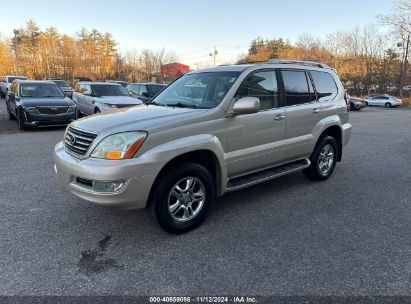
(145, 91)
(63, 85)
(35, 103)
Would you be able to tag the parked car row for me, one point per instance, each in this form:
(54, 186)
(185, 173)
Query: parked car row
(53, 102)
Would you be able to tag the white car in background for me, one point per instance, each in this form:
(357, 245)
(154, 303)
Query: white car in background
(407, 88)
(96, 97)
(5, 83)
(383, 100)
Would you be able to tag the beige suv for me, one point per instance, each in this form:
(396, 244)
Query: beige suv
(208, 133)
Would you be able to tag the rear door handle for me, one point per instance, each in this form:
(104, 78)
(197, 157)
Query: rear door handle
(279, 117)
(315, 111)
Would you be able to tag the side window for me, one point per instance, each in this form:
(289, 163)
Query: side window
(262, 85)
(324, 85)
(143, 89)
(85, 88)
(296, 87)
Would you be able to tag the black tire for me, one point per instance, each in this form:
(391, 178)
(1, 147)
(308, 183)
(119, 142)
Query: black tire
(10, 115)
(162, 194)
(20, 121)
(314, 171)
(352, 108)
(387, 105)
(96, 110)
(78, 114)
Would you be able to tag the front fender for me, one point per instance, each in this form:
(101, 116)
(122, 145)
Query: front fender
(164, 153)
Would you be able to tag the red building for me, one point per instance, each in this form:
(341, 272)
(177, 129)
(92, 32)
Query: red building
(174, 70)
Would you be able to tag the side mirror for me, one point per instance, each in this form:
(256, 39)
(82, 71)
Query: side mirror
(246, 105)
(145, 94)
(12, 97)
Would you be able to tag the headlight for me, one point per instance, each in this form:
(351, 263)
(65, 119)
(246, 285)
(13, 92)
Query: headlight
(119, 146)
(72, 108)
(109, 105)
(29, 109)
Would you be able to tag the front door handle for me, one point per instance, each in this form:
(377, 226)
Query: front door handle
(315, 111)
(279, 117)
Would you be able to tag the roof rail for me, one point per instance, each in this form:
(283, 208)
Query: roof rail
(301, 62)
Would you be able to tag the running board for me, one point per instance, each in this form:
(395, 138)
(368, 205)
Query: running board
(266, 174)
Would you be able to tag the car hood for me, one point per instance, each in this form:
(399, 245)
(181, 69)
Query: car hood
(142, 117)
(47, 101)
(120, 100)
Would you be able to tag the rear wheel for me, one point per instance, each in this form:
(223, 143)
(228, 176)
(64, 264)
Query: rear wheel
(96, 110)
(323, 159)
(182, 198)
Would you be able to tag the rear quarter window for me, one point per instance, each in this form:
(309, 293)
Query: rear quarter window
(325, 85)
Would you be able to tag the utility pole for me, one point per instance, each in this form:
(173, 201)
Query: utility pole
(214, 54)
(16, 49)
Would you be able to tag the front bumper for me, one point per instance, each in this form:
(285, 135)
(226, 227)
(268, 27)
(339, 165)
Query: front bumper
(37, 120)
(346, 133)
(138, 174)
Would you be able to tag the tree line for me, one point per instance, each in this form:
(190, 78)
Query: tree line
(45, 53)
(366, 58)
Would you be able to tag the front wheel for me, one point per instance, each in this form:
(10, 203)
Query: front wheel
(182, 197)
(10, 115)
(20, 121)
(323, 159)
(388, 105)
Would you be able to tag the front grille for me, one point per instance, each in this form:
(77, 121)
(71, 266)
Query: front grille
(52, 109)
(78, 141)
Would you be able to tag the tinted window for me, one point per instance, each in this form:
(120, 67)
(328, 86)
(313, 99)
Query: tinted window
(10, 79)
(154, 89)
(324, 85)
(108, 90)
(143, 89)
(296, 87)
(262, 85)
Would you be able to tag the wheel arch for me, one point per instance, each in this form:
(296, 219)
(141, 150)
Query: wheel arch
(204, 157)
(335, 132)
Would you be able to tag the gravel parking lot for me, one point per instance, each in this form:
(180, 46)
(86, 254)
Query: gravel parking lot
(349, 235)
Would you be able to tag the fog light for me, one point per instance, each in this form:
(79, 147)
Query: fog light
(112, 186)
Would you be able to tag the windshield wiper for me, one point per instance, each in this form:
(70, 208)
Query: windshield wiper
(181, 105)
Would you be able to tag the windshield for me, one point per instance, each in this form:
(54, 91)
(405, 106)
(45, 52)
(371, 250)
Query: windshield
(37, 90)
(153, 89)
(108, 90)
(61, 83)
(198, 90)
(10, 79)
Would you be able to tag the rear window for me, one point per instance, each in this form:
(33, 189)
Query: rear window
(324, 85)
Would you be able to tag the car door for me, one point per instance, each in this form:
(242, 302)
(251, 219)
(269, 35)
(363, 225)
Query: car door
(256, 141)
(301, 110)
(84, 99)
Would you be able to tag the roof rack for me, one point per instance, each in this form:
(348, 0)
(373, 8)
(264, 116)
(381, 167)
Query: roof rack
(301, 62)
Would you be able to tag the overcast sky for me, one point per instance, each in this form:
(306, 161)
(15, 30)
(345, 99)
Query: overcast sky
(192, 28)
